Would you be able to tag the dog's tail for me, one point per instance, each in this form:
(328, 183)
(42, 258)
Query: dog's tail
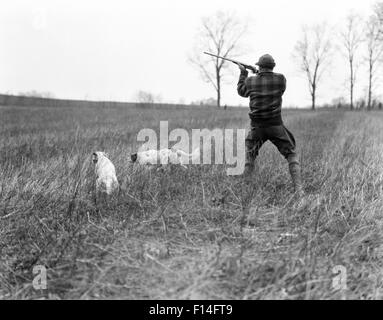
(191, 156)
(195, 153)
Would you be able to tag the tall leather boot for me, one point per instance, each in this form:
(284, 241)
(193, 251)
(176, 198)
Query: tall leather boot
(295, 172)
(249, 163)
(248, 172)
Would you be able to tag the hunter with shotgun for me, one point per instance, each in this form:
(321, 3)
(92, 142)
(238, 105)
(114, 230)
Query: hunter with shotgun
(265, 90)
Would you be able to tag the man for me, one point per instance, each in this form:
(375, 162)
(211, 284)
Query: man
(265, 91)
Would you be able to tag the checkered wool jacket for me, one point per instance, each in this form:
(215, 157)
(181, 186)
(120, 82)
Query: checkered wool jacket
(265, 91)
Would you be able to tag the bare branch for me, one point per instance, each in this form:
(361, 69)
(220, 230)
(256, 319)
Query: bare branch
(374, 41)
(313, 53)
(205, 73)
(220, 34)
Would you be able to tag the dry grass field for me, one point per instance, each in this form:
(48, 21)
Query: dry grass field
(188, 234)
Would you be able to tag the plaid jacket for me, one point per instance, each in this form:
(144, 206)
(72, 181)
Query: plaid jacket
(265, 91)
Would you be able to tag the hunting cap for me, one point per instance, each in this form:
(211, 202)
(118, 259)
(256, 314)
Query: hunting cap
(266, 61)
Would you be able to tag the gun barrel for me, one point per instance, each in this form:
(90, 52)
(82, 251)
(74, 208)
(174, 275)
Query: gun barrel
(253, 69)
(223, 58)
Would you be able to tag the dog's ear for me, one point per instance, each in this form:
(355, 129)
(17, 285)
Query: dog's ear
(133, 157)
(94, 157)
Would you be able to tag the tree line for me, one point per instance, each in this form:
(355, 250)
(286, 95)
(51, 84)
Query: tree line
(359, 42)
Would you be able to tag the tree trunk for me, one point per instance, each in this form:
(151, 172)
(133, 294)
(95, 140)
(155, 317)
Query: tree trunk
(369, 88)
(313, 102)
(218, 88)
(313, 97)
(351, 86)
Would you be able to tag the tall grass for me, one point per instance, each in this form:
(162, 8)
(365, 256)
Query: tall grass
(194, 233)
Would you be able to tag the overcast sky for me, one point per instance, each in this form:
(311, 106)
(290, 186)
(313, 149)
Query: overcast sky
(110, 49)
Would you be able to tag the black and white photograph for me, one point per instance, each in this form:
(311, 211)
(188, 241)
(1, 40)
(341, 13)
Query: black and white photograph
(214, 151)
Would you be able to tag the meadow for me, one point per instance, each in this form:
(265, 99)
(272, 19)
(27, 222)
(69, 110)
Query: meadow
(195, 233)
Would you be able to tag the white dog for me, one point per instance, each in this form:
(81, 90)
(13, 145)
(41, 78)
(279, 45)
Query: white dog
(164, 156)
(106, 180)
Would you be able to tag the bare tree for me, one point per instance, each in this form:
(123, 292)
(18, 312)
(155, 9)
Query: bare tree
(378, 12)
(37, 94)
(220, 34)
(313, 53)
(351, 38)
(374, 53)
(147, 97)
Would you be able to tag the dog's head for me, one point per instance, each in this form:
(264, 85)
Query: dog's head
(133, 157)
(96, 156)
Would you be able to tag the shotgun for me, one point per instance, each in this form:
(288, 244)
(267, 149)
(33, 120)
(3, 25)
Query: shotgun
(247, 66)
